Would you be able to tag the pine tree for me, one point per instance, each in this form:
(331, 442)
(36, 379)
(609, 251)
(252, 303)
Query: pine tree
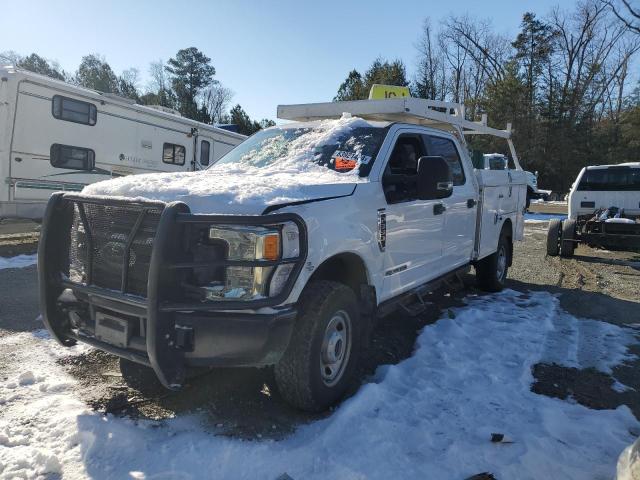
(95, 73)
(191, 72)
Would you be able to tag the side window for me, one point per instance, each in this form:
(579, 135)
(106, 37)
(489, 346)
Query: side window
(74, 158)
(497, 162)
(173, 154)
(445, 148)
(72, 110)
(401, 173)
(205, 148)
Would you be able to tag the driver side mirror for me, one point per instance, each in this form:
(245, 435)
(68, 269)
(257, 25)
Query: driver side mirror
(434, 178)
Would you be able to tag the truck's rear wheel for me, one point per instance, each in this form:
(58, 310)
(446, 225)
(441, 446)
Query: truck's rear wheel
(568, 238)
(319, 362)
(491, 271)
(553, 237)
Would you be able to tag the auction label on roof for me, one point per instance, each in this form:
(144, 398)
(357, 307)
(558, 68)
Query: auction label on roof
(380, 92)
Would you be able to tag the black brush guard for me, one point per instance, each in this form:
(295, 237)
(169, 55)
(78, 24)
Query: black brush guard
(168, 318)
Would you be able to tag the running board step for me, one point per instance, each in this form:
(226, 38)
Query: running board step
(416, 307)
(414, 301)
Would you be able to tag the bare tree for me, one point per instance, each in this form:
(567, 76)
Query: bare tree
(477, 39)
(9, 57)
(592, 51)
(217, 98)
(627, 13)
(159, 84)
(430, 81)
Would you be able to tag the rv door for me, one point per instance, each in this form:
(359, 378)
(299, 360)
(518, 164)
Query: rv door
(204, 151)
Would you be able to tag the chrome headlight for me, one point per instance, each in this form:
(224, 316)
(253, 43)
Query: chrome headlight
(270, 243)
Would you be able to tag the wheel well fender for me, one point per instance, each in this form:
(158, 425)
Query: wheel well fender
(350, 270)
(347, 268)
(507, 229)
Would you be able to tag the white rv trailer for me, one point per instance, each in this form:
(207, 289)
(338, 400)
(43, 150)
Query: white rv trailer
(55, 136)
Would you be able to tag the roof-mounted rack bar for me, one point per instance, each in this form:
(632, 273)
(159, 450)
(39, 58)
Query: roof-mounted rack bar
(447, 116)
(432, 113)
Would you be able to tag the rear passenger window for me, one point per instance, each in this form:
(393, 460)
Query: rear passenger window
(610, 179)
(74, 158)
(173, 154)
(72, 110)
(445, 148)
(205, 148)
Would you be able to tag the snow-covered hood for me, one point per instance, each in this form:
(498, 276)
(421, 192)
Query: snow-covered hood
(235, 192)
(251, 184)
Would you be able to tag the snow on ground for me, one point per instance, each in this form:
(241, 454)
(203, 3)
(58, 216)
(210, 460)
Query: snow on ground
(277, 172)
(430, 416)
(531, 217)
(19, 261)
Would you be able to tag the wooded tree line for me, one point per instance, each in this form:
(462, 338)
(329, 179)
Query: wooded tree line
(185, 83)
(565, 82)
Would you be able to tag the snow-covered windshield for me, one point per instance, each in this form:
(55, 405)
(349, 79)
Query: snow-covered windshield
(348, 145)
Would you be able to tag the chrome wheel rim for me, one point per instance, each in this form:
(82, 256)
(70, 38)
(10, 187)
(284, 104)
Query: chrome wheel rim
(336, 348)
(501, 267)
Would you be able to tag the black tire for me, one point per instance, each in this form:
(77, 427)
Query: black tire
(553, 237)
(568, 244)
(529, 196)
(491, 273)
(299, 375)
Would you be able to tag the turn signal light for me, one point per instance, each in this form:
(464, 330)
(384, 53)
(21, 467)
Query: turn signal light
(271, 247)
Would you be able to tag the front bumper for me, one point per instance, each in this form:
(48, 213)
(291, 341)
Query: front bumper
(162, 330)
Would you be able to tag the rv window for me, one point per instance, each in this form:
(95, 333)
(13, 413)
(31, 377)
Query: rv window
(205, 147)
(71, 110)
(75, 158)
(174, 154)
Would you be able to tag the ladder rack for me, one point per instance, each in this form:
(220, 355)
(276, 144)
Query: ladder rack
(447, 116)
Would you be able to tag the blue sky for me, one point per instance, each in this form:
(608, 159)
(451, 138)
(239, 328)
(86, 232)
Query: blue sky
(282, 51)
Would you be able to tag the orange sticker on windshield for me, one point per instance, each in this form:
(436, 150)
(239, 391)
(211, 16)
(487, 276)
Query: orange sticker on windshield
(345, 164)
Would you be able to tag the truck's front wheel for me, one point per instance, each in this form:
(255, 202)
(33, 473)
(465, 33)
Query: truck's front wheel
(321, 358)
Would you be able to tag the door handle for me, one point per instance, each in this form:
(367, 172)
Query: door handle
(501, 196)
(471, 203)
(439, 208)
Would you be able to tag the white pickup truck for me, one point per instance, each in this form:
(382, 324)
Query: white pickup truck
(604, 211)
(286, 250)
(498, 161)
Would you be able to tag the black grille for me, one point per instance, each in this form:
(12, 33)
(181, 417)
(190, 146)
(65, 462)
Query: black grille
(101, 240)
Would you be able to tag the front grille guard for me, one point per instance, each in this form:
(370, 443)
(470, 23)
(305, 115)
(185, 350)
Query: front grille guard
(160, 304)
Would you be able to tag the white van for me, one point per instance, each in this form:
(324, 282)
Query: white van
(56, 136)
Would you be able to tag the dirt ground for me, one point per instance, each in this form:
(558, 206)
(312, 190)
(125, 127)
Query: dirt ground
(245, 403)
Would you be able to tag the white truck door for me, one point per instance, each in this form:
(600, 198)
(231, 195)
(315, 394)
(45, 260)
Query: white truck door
(461, 206)
(413, 252)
